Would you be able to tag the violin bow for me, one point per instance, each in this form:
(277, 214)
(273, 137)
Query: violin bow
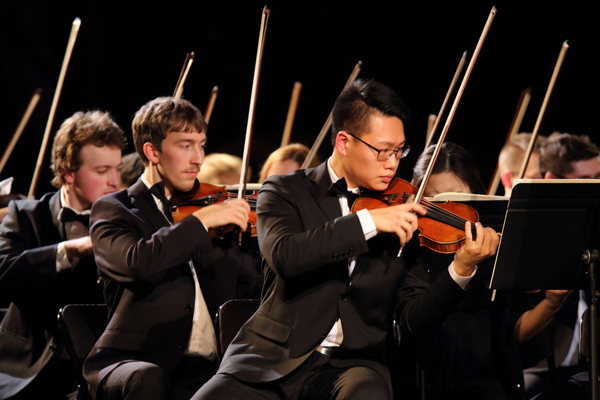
(459, 69)
(461, 89)
(557, 67)
(430, 122)
(289, 122)
(61, 79)
(257, 66)
(24, 120)
(211, 104)
(187, 64)
(315, 147)
(514, 128)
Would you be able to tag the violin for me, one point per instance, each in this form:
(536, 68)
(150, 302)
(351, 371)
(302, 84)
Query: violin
(442, 229)
(205, 194)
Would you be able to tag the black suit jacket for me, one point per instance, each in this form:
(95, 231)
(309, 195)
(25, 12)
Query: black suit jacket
(149, 286)
(29, 235)
(307, 243)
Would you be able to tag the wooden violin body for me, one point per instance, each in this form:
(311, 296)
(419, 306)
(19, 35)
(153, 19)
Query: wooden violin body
(442, 227)
(207, 195)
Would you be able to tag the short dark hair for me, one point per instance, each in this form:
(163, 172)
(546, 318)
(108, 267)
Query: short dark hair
(133, 168)
(362, 98)
(160, 116)
(92, 127)
(562, 150)
(452, 158)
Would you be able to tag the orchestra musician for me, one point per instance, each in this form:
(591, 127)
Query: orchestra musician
(164, 281)
(322, 329)
(46, 254)
(473, 355)
(565, 156)
(221, 169)
(133, 168)
(286, 159)
(511, 159)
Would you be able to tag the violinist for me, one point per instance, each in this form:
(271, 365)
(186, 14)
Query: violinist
(221, 169)
(133, 168)
(322, 330)
(46, 257)
(566, 156)
(284, 160)
(164, 281)
(473, 355)
(511, 159)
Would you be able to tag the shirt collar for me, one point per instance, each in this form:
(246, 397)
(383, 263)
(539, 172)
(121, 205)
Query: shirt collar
(335, 178)
(64, 203)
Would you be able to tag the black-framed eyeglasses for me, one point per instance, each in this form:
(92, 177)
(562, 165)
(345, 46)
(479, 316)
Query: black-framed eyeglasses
(385, 154)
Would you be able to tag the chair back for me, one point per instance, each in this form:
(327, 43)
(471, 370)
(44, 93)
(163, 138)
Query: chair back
(81, 326)
(230, 318)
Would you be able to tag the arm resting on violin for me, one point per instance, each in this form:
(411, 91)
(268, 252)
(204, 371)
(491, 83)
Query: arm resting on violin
(533, 321)
(291, 249)
(125, 256)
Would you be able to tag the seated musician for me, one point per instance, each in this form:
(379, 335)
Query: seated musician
(133, 168)
(322, 330)
(286, 159)
(566, 156)
(164, 281)
(511, 159)
(473, 355)
(46, 257)
(221, 169)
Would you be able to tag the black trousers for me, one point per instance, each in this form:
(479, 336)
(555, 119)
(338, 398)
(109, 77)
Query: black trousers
(315, 379)
(146, 381)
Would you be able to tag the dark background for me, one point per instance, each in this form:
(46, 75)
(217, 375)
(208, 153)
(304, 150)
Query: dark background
(130, 52)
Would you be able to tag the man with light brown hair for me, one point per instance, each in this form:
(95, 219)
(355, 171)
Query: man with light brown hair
(511, 159)
(46, 253)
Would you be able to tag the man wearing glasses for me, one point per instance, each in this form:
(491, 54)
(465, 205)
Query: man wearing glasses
(321, 332)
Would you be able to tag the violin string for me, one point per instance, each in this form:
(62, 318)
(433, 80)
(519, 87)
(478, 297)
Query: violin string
(440, 211)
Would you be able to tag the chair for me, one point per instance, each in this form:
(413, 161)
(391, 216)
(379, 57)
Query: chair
(230, 318)
(81, 325)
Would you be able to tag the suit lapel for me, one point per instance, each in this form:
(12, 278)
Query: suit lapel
(329, 203)
(55, 206)
(142, 199)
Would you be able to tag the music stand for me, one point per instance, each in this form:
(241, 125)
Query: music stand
(550, 240)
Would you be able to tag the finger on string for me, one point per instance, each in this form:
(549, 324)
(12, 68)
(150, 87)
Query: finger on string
(468, 233)
(480, 234)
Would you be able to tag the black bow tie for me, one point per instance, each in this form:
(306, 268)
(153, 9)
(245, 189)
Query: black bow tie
(158, 190)
(69, 215)
(341, 187)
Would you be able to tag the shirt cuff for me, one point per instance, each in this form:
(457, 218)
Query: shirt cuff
(62, 262)
(461, 281)
(367, 223)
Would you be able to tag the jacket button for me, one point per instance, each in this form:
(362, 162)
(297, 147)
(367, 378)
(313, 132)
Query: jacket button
(323, 336)
(189, 308)
(343, 298)
(181, 346)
